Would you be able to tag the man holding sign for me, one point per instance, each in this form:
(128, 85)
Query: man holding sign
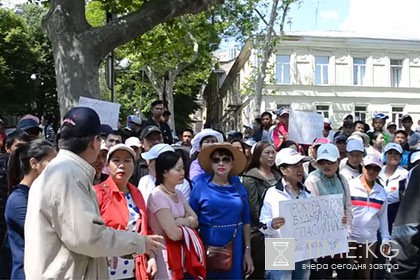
(289, 187)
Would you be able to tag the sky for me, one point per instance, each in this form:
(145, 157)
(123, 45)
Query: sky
(384, 17)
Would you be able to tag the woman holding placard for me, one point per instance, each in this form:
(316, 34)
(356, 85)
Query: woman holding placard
(289, 163)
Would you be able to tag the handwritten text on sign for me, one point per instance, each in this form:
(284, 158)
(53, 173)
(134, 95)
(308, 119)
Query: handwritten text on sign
(304, 127)
(108, 111)
(316, 225)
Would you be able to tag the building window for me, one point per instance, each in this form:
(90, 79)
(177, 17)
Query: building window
(280, 106)
(323, 110)
(321, 70)
(360, 113)
(359, 67)
(283, 69)
(397, 113)
(396, 70)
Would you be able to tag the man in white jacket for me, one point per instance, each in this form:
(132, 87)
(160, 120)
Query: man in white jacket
(66, 237)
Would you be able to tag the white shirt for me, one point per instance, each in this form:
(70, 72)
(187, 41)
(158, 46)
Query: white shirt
(270, 208)
(392, 184)
(369, 213)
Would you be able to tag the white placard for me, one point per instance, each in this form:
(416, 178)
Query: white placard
(316, 225)
(108, 112)
(304, 127)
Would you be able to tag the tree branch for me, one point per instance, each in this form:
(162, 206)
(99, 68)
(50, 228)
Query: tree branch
(150, 14)
(178, 69)
(157, 85)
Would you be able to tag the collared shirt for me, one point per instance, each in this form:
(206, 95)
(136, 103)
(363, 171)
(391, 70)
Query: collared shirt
(369, 212)
(392, 184)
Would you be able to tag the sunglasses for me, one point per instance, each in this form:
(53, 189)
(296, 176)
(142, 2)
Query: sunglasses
(224, 160)
(373, 168)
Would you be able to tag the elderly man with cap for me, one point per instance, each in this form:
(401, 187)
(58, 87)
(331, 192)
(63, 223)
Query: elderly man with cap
(280, 132)
(413, 137)
(147, 182)
(68, 239)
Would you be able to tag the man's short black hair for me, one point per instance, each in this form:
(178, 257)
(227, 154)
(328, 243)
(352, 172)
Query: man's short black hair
(357, 122)
(189, 130)
(400, 131)
(266, 114)
(156, 102)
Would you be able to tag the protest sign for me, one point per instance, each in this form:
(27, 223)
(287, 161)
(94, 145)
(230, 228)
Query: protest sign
(315, 224)
(304, 127)
(108, 111)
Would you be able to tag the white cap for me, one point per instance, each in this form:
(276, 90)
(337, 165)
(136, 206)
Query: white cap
(120, 147)
(415, 156)
(133, 141)
(156, 151)
(372, 159)
(195, 142)
(288, 156)
(393, 146)
(328, 152)
(355, 145)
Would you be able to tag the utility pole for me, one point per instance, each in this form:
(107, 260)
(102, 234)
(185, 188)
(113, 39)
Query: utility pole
(110, 65)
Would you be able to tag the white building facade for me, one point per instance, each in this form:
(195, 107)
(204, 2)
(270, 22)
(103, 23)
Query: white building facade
(338, 74)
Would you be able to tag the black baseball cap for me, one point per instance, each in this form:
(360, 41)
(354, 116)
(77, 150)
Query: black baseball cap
(80, 122)
(149, 129)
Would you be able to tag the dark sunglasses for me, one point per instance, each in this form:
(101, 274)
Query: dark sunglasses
(224, 160)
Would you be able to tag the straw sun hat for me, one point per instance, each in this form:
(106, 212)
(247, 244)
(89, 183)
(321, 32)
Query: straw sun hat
(239, 159)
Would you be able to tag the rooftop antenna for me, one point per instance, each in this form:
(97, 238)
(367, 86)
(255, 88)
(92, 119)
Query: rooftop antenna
(316, 14)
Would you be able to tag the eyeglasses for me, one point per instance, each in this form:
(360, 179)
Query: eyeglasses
(373, 168)
(324, 162)
(224, 160)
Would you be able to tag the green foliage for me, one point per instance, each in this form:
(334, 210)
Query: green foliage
(170, 45)
(25, 50)
(16, 63)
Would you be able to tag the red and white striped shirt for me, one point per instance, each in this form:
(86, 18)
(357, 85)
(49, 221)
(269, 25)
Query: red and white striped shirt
(369, 212)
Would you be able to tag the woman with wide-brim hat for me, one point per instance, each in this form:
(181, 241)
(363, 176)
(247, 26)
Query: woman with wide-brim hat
(221, 203)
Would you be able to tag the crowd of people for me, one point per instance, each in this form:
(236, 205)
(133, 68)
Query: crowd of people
(91, 202)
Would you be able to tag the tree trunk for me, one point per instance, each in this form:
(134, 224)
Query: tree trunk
(170, 99)
(268, 46)
(79, 48)
(267, 49)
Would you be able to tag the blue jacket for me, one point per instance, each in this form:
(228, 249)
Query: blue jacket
(15, 218)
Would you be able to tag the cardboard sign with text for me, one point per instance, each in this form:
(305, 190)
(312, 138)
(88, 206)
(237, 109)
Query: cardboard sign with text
(315, 224)
(108, 112)
(304, 127)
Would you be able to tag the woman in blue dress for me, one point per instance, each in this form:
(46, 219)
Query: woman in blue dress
(221, 203)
